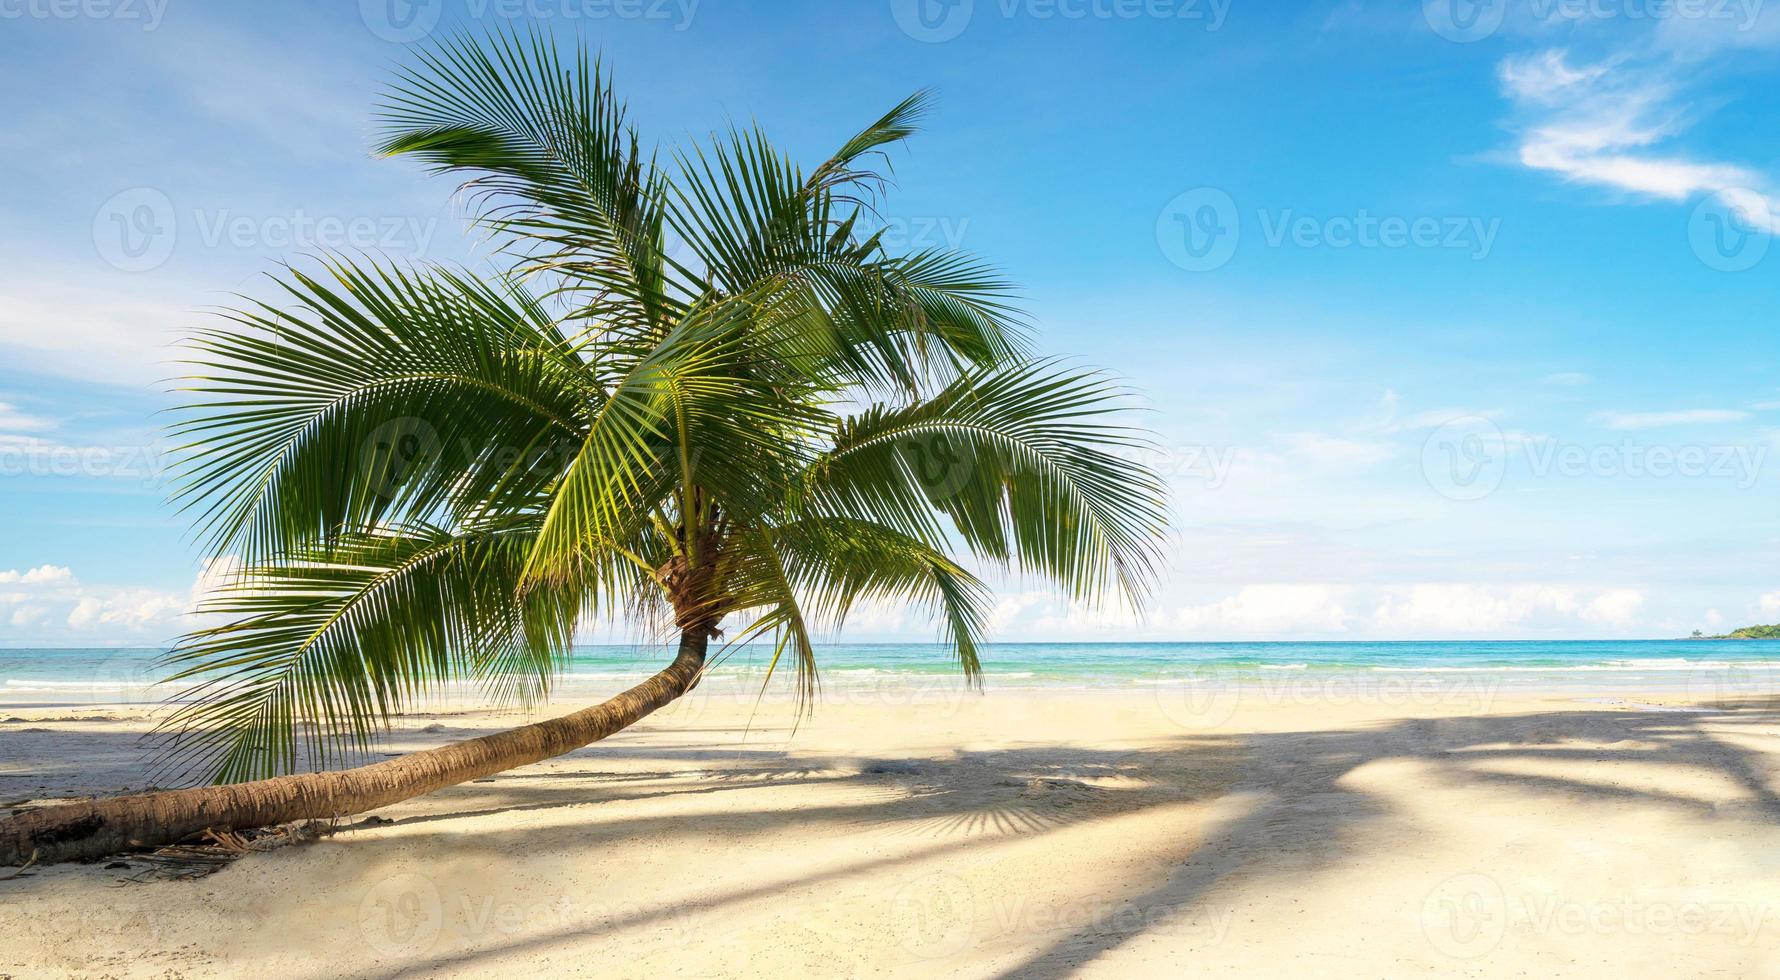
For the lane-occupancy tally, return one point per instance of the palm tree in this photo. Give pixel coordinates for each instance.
(701, 395)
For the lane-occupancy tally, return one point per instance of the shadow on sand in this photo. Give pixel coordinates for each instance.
(1302, 818)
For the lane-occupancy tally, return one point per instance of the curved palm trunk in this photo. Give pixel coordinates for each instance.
(78, 831)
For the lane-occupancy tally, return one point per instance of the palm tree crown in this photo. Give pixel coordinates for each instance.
(701, 393)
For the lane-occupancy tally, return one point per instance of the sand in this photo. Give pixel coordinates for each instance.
(1026, 833)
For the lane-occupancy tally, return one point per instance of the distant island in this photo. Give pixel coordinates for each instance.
(1746, 633)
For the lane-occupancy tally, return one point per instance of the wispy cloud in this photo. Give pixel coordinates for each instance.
(1653, 420)
(1613, 122)
(105, 333)
(1329, 450)
(13, 420)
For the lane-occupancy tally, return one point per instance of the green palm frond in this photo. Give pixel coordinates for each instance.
(1024, 461)
(385, 395)
(323, 649)
(839, 562)
(432, 478)
(549, 162)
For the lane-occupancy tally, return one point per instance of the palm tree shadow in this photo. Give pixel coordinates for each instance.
(1300, 815)
(1302, 771)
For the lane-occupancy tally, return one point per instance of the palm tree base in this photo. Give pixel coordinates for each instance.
(97, 828)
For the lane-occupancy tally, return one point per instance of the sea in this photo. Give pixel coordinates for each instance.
(1313, 670)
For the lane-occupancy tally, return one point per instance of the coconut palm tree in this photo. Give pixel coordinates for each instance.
(702, 395)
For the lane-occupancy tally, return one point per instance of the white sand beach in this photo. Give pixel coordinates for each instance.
(1021, 834)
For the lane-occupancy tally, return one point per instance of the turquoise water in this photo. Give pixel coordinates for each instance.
(37, 676)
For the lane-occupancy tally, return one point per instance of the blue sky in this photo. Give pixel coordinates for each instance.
(1454, 321)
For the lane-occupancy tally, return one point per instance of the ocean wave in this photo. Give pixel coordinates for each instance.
(1613, 666)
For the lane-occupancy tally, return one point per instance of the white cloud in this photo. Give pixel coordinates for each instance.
(1444, 609)
(89, 333)
(41, 575)
(1269, 609)
(1615, 607)
(12, 420)
(1652, 420)
(1769, 605)
(25, 616)
(1604, 123)
(86, 613)
(50, 604)
(129, 611)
